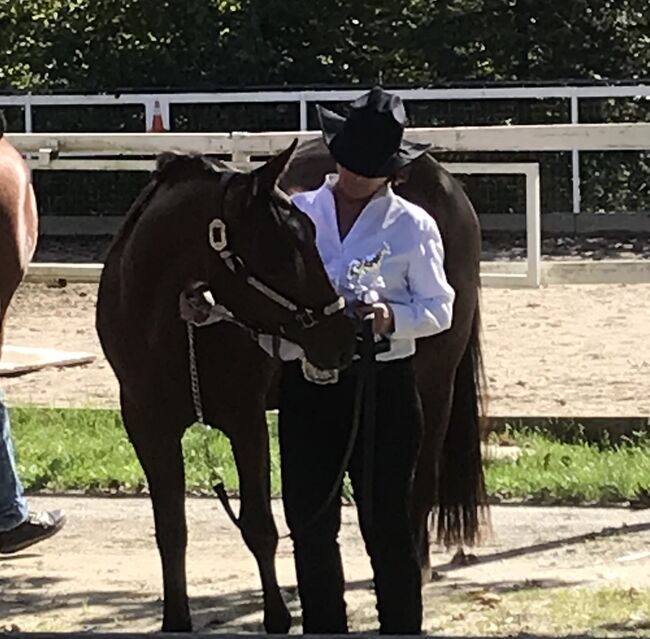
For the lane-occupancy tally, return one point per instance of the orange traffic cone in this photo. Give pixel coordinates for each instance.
(157, 124)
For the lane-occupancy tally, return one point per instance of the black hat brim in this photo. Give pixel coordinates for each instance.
(331, 125)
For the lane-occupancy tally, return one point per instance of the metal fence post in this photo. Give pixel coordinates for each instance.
(303, 113)
(28, 113)
(575, 159)
(533, 226)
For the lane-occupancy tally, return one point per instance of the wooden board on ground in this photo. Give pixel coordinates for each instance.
(17, 360)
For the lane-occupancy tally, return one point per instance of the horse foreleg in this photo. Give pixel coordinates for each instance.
(251, 450)
(160, 454)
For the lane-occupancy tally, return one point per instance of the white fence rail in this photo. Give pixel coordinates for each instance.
(241, 146)
(84, 151)
(531, 276)
(302, 98)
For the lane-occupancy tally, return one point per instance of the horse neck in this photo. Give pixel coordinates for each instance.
(166, 248)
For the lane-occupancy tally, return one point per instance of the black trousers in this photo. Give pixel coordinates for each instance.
(315, 424)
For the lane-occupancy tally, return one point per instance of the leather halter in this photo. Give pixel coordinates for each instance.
(304, 317)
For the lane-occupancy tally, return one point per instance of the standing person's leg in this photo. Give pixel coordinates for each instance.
(313, 432)
(388, 536)
(13, 507)
(18, 528)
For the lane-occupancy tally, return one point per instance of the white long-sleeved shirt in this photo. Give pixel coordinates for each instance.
(411, 274)
(412, 270)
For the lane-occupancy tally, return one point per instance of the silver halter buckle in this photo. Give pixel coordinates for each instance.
(217, 235)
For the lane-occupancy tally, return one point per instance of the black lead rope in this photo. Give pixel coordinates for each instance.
(369, 376)
(363, 398)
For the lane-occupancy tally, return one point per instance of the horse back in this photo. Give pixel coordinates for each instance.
(429, 185)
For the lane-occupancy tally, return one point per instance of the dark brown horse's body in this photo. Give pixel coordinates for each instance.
(162, 248)
(18, 223)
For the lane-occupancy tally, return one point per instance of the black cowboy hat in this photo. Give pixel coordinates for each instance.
(370, 140)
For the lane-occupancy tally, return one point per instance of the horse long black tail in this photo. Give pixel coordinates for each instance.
(462, 500)
(3, 124)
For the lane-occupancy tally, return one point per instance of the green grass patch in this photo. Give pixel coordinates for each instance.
(596, 612)
(530, 608)
(551, 470)
(87, 450)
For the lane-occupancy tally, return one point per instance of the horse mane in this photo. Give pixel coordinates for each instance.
(3, 123)
(175, 167)
(171, 168)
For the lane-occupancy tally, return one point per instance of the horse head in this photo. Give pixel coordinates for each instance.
(276, 282)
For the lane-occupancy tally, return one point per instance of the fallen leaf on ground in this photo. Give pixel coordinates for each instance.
(487, 598)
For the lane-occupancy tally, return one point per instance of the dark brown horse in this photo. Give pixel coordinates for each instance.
(18, 222)
(449, 475)
(236, 232)
(164, 247)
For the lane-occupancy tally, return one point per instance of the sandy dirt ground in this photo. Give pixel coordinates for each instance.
(102, 571)
(578, 350)
(556, 351)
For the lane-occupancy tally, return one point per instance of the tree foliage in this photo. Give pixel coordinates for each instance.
(90, 45)
(115, 45)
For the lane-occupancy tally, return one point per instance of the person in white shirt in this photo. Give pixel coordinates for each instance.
(385, 255)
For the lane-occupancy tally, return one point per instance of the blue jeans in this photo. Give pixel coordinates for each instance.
(13, 507)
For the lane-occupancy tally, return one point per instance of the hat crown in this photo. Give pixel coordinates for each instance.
(376, 122)
(370, 140)
(379, 101)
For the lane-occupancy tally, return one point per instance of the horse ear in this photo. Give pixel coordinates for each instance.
(402, 175)
(266, 176)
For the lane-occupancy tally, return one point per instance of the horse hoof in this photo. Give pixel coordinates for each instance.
(278, 623)
(177, 625)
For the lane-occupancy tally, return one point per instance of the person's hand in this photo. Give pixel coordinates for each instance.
(193, 305)
(383, 317)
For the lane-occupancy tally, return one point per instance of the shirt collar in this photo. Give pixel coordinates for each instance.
(379, 213)
(385, 191)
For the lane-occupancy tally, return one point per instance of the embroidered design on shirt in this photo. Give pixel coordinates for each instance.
(364, 276)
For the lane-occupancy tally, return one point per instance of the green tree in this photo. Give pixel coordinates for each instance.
(206, 44)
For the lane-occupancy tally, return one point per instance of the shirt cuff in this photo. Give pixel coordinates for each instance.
(402, 320)
(412, 323)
